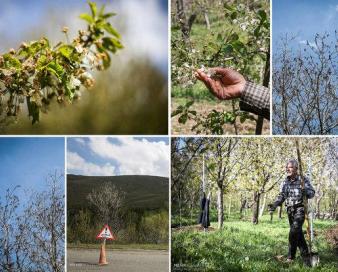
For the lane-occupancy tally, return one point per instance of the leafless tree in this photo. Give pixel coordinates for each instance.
(108, 201)
(32, 234)
(305, 83)
(46, 227)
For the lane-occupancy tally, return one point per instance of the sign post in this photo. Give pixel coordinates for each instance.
(104, 234)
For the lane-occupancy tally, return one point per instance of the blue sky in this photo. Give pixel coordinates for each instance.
(28, 161)
(303, 18)
(142, 23)
(110, 156)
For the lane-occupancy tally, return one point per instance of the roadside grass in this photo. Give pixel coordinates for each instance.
(119, 246)
(242, 246)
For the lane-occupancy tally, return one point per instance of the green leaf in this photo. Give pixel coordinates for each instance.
(256, 31)
(108, 15)
(262, 14)
(56, 69)
(111, 44)
(242, 119)
(107, 27)
(42, 61)
(189, 103)
(93, 8)
(87, 17)
(66, 50)
(183, 118)
(227, 49)
(102, 10)
(177, 111)
(233, 15)
(106, 61)
(233, 37)
(11, 61)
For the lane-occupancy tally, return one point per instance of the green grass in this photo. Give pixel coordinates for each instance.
(119, 246)
(242, 246)
(198, 91)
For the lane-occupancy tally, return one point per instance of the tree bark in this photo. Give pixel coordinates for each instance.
(280, 211)
(220, 209)
(255, 208)
(263, 206)
(243, 205)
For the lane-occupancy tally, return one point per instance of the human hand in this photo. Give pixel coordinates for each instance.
(224, 83)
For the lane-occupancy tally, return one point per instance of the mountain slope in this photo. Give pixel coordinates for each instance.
(142, 192)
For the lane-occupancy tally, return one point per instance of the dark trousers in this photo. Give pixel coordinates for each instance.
(296, 217)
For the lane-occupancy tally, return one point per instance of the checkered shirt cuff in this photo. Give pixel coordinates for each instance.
(255, 99)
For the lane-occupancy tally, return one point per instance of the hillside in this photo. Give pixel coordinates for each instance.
(142, 192)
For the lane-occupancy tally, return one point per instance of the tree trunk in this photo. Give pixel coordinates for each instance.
(180, 208)
(243, 205)
(206, 18)
(263, 206)
(185, 24)
(255, 207)
(220, 210)
(280, 210)
(229, 208)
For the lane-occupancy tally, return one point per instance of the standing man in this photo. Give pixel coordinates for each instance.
(292, 193)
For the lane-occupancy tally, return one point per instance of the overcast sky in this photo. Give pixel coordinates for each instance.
(142, 23)
(303, 18)
(110, 156)
(28, 161)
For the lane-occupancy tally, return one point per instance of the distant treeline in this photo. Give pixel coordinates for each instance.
(133, 226)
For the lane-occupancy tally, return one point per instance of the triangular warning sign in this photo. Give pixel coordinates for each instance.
(106, 233)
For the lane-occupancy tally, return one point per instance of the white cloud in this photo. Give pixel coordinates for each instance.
(312, 44)
(134, 156)
(80, 141)
(76, 163)
(337, 8)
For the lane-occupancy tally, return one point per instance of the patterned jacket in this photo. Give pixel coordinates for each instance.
(255, 99)
(291, 192)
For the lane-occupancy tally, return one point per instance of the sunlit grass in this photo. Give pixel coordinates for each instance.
(242, 246)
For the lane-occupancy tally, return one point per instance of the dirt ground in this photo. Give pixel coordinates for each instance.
(118, 261)
(203, 108)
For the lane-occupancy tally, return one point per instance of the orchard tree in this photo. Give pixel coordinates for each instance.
(47, 229)
(243, 46)
(32, 235)
(305, 86)
(38, 71)
(221, 165)
(185, 158)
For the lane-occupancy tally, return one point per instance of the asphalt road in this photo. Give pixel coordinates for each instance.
(118, 261)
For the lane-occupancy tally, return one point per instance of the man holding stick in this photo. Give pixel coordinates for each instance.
(292, 192)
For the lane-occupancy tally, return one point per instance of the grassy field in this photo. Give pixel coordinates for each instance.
(242, 246)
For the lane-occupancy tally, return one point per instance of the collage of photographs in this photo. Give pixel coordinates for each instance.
(158, 136)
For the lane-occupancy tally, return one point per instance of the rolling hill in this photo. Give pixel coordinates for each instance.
(142, 192)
